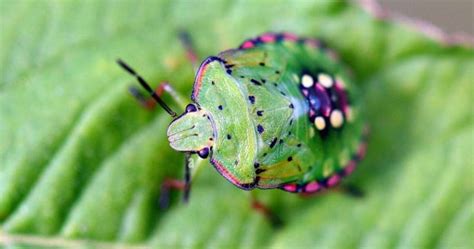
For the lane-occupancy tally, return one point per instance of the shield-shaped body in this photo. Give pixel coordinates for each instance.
(278, 112)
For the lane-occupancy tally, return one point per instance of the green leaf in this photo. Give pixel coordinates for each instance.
(81, 163)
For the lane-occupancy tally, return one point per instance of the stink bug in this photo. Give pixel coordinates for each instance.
(277, 112)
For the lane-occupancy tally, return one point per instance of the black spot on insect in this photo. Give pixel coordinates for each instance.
(257, 41)
(273, 142)
(299, 168)
(291, 106)
(256, 165)
(212, 82)
(229, 137)
(298, 145)
(213, 58)
(277, 72)
(279, 37)
(220, 107)
(265, 154)
(260, 129)
(256, 82)
(299, 188)
(290, 159)
(211, 139)
(261, 64)
(236, 162)
(281, 141)
(275, 84)
(260, 113)
(257, 179)
(252, 99)
(229, 65)
(291, 121)
(229, 71)
(247, 186)
(282, 93)
(263, 81)
(289, 133)
(241, 76)
(258, 171)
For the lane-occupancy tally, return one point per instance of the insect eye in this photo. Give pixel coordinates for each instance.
(191, 108)
(203, 153)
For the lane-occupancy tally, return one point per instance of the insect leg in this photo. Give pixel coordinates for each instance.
(187, 43)
(183, 185)
(166, 187)
(150, 103)
(261, 208)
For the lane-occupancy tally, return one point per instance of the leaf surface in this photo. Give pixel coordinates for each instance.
(80, 161)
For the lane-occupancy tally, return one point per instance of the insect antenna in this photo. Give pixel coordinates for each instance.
(147, 87)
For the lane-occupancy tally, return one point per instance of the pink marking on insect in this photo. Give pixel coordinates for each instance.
(312, 187)
(267, 38)
(290, 187)
(350, 167)
(311, 112)
(290, 37)
(225, 172)
(200, 74)
(198, 82)
(333, 180)
(305, 92)
(247, 44)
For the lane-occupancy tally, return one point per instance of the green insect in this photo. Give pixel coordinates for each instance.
(278, 112)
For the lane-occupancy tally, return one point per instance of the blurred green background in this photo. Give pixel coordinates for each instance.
(81, 163)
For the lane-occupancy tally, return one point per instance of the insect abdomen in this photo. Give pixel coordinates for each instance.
(305, 111)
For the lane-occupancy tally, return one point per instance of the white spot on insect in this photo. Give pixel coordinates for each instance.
(325, 80)
(320, 123)
(336, 118)
(307, 81)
